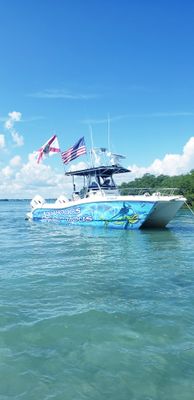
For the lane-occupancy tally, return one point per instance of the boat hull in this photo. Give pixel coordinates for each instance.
(108, 214)
(163, 213)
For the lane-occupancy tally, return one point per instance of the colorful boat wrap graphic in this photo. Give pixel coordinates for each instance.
(115, 214)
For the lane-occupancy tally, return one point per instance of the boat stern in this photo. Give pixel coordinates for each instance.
(163, 212)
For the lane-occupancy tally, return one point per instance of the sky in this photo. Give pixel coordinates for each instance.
(67, 66)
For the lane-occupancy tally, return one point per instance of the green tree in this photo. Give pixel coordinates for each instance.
(183, 183)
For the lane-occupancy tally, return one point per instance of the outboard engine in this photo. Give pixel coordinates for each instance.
(37, 202)
(61, 200)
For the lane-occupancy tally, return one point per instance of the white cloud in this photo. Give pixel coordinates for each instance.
(19, 180)
(2, 141)
(14, 116)
(172, 114)
(25, 180)
(62, 94)
(105, 120)
(171, 164)
(7, 171)
(78, 166)
(15, 161)
(17, 139)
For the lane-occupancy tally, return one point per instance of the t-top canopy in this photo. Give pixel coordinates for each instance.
(103, 171)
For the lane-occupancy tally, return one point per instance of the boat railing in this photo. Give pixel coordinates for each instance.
(146, 191)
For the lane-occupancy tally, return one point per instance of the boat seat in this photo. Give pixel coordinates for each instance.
(93, 185)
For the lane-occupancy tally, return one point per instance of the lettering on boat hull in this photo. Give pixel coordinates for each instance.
(114, 214)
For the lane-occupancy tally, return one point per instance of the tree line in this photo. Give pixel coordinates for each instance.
(183, 183)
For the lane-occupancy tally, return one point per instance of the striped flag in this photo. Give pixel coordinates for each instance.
(51, 146)
(75, 151)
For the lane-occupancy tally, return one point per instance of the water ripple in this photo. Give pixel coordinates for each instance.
(95, 314)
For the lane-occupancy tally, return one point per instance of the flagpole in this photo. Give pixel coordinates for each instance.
(92, 146)
(108, 132)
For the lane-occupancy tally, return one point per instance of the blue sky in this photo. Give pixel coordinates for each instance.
(65, 64)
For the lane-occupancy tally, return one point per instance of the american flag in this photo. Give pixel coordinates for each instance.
(75, 151)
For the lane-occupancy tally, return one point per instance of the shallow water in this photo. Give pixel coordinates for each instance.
(95, 314)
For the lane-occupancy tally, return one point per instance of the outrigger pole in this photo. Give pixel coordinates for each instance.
(92, 146)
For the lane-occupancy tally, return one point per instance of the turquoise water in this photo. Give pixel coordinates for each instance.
(95, 314)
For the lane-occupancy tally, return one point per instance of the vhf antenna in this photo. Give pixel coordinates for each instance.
(92, 145)
(108, 131)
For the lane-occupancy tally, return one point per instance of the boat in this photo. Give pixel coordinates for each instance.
(100, 203)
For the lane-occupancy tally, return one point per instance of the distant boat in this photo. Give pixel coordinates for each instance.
(99, 202)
